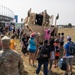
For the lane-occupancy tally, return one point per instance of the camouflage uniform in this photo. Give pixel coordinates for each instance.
(10, 63)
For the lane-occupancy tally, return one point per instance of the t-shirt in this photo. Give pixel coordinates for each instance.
(25, 42)
(57, 50)
(12, 44)
(52, 55)
(62, 39)
(32, 44)
(51, 47)
(47, 35)
(66, 47)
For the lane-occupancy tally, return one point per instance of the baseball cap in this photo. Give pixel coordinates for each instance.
(33, 34)
(68, 37)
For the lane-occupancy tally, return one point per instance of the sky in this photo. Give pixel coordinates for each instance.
(65, 8)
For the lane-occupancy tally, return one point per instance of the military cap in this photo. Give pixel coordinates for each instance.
(5, 40)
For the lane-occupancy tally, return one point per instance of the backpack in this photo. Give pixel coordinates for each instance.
(62, 64)
(71, 48)
(41, 54)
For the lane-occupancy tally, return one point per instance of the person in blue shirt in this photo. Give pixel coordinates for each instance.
(32, 48)
(68, 55)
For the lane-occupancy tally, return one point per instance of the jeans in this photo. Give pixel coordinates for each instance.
(45, 68)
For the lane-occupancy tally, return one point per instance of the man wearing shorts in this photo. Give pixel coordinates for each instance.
(68, 56)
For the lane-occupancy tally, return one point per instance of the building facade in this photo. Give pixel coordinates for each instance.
(6, 14)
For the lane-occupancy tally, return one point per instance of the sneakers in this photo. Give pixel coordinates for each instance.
(71, 73)
(66, 74)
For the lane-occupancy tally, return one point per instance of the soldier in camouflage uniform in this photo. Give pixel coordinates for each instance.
(10, 61)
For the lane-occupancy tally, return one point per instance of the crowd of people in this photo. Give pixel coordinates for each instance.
(49, 52)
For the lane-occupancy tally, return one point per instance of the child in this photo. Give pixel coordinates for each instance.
(62, 39)
(57, 51)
